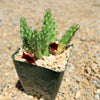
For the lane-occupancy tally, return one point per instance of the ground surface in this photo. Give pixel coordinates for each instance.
(82, 77)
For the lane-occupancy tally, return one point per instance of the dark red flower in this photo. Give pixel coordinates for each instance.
(29, 58)
(53, 46)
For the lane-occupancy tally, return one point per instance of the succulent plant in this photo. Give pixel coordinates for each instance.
(42, 43)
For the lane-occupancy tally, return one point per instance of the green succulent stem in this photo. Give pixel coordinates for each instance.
(67, 37)
(49, 31)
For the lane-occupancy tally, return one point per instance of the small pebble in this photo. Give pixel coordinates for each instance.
(78, 94)
(74, 57)
(3, 85)
(70, 70)
(97, 91)
(98, 31)
(72, 82)
(97, 96)
(31, 97)
(14, 24)
(59, 66)
(90, 47)
(71, 90)
(41, 99)
(77, 87)
(61, 93)
(97, 55)
(63, 98)
(95, 81)
(75, 77)
(67, 80)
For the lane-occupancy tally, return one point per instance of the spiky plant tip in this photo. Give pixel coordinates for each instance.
(67, 37)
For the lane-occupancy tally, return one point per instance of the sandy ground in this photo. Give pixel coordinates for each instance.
(82, 77)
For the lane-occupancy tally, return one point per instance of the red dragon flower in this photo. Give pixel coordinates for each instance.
(53, 46)
(29, 58)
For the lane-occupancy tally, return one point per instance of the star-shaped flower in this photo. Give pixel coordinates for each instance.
(29, 58)
(53, 46)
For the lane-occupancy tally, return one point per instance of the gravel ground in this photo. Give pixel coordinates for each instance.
(82, 77)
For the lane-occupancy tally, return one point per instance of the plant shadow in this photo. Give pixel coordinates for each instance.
(20, 87)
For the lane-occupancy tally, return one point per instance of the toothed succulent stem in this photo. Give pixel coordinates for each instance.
(36, 44)
(26, 33)
(49, 31)
(66, 38)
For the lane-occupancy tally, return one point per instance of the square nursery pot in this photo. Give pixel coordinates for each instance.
(37, 79)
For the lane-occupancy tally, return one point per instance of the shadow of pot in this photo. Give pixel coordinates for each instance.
(37, 79)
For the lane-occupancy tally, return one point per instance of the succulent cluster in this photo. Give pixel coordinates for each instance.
(39, 42)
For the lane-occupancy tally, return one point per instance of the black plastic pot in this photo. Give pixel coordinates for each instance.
(37, 79)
